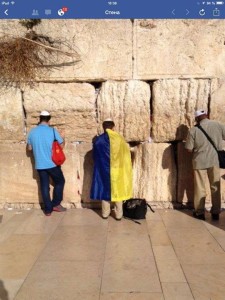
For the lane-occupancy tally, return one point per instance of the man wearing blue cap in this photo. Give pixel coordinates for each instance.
(205, 162)
(40, 141)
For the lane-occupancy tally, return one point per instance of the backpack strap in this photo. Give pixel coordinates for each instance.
(207, 136)
(150, 207)
(132, 220)
(54, 134)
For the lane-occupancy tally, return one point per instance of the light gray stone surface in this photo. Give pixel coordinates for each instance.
(104, 47)
(71, 105)
(18, 179)
(217, 107)
(85, 173)
(12, 126)
(174, 103)
(128, 104)
(185, 179)
(178, 48)
(155, 173)
(19, 182)
(148, 75)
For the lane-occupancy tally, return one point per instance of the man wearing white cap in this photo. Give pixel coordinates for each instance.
(40, 141)
(205, 162)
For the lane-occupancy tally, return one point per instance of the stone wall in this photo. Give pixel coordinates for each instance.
(148, 75)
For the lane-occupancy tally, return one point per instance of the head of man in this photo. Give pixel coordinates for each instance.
(45, 116)
(108, 124)
(200, 115)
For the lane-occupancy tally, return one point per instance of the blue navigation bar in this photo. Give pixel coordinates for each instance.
(112, 9)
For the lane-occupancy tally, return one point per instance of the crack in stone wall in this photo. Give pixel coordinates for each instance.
(133, 45)
(97, 86)
(24, 114)
(209, 99)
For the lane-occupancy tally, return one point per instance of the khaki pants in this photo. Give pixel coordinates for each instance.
(200, 191)
(106, 209)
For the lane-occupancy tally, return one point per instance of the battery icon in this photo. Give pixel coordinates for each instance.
(219, 2)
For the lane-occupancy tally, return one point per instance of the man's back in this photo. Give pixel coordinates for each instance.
(41, 139)
(205, 155)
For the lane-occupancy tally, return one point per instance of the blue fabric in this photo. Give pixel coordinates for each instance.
(56, 175)
(100, 189)
(41, 139)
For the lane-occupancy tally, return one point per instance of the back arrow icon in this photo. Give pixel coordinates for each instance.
(173, 12)
(6, 12)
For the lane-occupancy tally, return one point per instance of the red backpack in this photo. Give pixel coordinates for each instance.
(58, 156)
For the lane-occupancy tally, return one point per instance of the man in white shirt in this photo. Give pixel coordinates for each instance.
(205, 162)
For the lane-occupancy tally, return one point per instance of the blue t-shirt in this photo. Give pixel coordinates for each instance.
(41, 139)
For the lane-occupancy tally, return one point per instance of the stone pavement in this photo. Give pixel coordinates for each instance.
(76, 255)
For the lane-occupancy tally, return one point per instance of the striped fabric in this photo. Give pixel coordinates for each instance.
(112, 177)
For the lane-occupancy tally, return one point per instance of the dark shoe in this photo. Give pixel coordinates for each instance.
(59, 208)
(200, 217)
(48, 214)
(215, 217)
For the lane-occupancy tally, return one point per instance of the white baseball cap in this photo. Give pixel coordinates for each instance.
(45, 113)
(108, 120)
(200, 113)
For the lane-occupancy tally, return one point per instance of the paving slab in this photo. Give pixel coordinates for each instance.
(78, 255)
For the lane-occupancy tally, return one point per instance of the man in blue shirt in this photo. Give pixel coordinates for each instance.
(40, 141)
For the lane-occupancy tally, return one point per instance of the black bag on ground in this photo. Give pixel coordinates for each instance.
(135, 208)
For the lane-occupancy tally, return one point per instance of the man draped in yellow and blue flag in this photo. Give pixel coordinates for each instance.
(112, 177)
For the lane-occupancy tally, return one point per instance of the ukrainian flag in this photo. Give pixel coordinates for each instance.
(112, 177)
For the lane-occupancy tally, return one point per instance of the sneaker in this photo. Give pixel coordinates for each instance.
(118, 219)
(59, 208)
(215, 217)
(48, 214)
(105, 218)
(200, 217)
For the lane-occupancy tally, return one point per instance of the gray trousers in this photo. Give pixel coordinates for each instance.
(118, 206)
(213, 175)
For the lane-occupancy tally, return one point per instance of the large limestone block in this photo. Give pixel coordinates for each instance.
(185, 177)
(71, 169)
(18, 178)
(155, 174)
(86, 170)
(174, 103)
(104, 46)
(19, 182)
(178, 48)
(72, 106)
(217, 104)
(128, 104)
(12, 124)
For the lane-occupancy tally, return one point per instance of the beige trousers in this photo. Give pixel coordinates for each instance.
(213, 175)
(106, 209)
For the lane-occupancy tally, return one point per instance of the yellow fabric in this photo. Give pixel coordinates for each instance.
(120, 168)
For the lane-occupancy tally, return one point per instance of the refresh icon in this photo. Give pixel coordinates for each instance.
(202, 12)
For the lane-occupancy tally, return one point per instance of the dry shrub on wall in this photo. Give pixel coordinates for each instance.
(24, 60)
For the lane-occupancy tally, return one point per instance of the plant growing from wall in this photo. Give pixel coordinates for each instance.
(27, 59)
